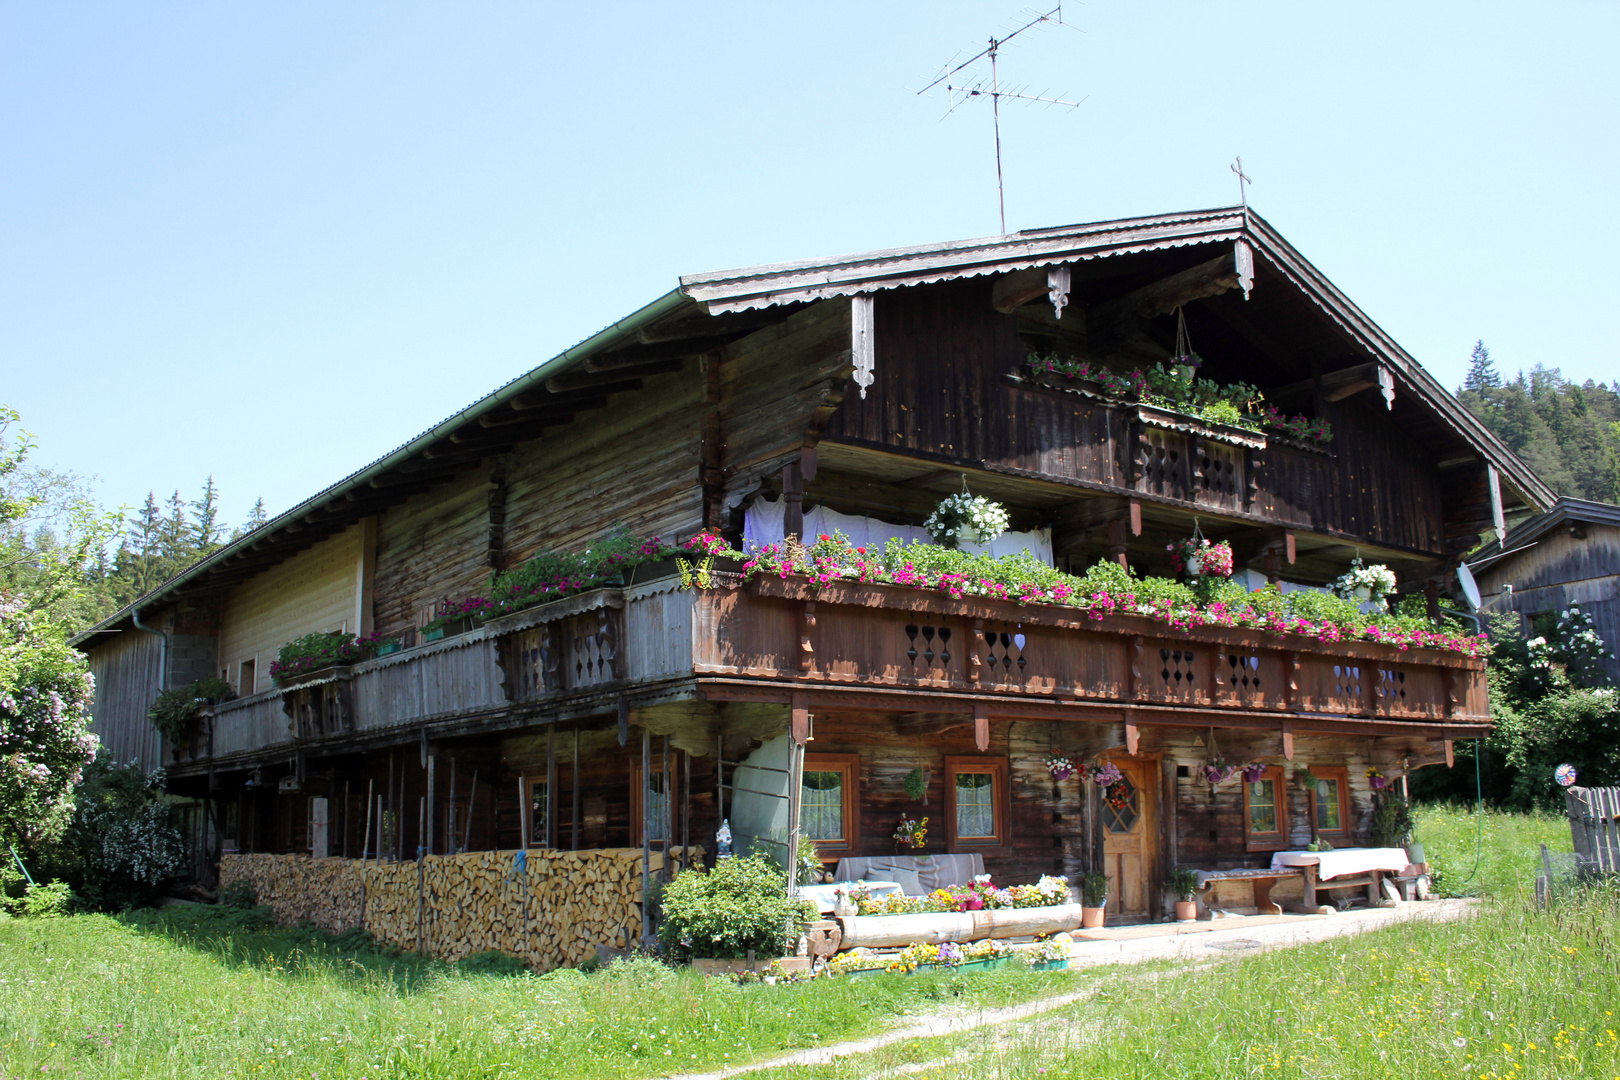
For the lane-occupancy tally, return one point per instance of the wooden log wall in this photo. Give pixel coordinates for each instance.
(431, 547)
(552, 912)
(942, 351)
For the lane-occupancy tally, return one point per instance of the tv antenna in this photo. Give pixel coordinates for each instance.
(967, 92)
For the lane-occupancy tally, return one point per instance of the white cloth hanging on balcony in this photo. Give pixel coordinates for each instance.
(763, 524)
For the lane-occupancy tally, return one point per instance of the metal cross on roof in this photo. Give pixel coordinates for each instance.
(1243, 195)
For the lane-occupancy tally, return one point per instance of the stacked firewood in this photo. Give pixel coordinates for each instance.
(552, 908)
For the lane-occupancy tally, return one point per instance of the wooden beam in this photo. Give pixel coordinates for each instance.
(584, 380)
(926, 479)
(1012, 291)
(561, 415)
(634, 355)
(562, 399)
(703, 326)
(981, 726)
(1335, 385)
(1161, 297)
(931, 723)
(799, 723)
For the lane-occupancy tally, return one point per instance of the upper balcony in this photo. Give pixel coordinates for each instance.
(848, 645)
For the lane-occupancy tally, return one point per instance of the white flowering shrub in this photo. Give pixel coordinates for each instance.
(1377, 580)
(123, 845)
(45, 742)
(1580, 647)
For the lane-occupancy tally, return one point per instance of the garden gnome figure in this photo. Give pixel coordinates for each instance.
(722, 839)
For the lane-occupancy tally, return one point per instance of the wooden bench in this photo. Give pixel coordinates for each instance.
(1262, 881)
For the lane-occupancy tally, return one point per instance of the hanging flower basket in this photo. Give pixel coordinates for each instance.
(1377, 779)
(1218, 772)
(1198, 557)
(1061, 767)
(1365, 582)
(1252, 772)
(966, 519)
(1106, 775)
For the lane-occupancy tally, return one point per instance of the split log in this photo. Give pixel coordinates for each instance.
(937, 927)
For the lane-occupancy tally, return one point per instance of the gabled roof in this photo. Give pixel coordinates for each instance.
(1528, 533)
(875, 271)
(712, 308)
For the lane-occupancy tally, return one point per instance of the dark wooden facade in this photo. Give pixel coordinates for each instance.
(754, 384)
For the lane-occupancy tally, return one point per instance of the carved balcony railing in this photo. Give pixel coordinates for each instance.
(785, 634)
(883, 637)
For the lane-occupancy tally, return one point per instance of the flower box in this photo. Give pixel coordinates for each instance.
(1049, 965)
(389, 648)
(449, 629)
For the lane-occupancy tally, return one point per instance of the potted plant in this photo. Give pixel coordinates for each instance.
(966, 519)
(1392, 821)
(1364, 583)
(1048, 954)
(1061, 767)
(721, 916)
(1184, 883)
(1093, 899)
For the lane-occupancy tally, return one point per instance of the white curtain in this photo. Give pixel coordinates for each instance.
(763, 524)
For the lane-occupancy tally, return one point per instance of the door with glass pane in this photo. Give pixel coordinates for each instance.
(1128, 814)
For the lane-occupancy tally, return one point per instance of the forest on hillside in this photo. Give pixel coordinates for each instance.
(1569, 433)
(70, 555)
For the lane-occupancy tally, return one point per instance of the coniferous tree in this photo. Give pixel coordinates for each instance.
(1568, 433)
(205, 523)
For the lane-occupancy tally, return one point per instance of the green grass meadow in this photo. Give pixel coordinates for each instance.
(1515, 991)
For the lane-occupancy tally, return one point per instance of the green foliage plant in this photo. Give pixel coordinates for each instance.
(312, 652)
(1105, 589)
(551, 575)
(1093, 889)
(1392, 820)
(176, 711)
(1183, 882)
(916, 785)
(723, 913)
(239, 894)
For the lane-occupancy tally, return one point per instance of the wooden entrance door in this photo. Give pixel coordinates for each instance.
(1130, 831)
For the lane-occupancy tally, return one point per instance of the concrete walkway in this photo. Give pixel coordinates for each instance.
(1204, 941)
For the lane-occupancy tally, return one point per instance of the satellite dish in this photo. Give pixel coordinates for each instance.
(1470, 588)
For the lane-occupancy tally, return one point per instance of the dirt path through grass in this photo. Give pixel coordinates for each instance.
(1203, 949)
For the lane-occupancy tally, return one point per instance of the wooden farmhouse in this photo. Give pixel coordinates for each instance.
(853, 394)
(1567, 557)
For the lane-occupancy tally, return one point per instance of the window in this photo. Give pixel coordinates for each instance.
(536, 811)
(1265, 812)
(828, 807)
(976, 807)
(1330, 802)
(245, 678)
(658, 802)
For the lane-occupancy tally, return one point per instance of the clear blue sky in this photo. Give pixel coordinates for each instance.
(274, 241)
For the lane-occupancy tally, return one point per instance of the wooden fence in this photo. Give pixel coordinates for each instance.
(1594, 821)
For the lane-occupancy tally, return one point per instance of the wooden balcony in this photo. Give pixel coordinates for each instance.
(872, 646)
(1053, 662)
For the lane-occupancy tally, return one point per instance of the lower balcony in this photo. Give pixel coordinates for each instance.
(860, 646)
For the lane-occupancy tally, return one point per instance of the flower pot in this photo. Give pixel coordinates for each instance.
(1091, 917)
(1363, 593)
(865, 973)
(1051, 965)
(1195, 566)
(388, 648)
(1415, 853)
(1186, 911)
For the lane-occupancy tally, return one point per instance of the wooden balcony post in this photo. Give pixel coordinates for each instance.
(974, 661)
(793, 500)
(799, 724)
(807, 650)
(981, 726)
(1116, 542)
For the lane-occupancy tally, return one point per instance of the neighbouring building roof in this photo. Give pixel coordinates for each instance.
(1528, 532)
